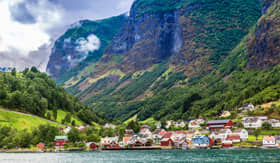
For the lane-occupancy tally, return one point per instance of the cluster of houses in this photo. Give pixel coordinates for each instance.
(201, 134)
(257, 122)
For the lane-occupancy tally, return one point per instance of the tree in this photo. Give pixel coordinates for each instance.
(74, 135)
(55, 114)
(266, 126)
(73, 123)
(14, 72)
(67, 118)
(34, 69)
(257, 133)
(49, 115)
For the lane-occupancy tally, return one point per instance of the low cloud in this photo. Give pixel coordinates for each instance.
(90, 44)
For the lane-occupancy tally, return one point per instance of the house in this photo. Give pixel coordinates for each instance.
(179, 124)
(221, 134)
(157, 136)
(67, 130)
(194, 124)
(219, 124)
(129, 133)
(107, 125)
(253, 122)
(234, 138)
(145, 132)
(269, 141)
(277, 140)
(242, 133)
(168, 124)
(126, 140)
(145, 127)
(92, 146)
(60, 141)
(226, 143)
(40, 146)
(274, 123)
(81, 128)
(201, 142)
(247, 107)
(167, 142)
(158, 124)
(110, 140)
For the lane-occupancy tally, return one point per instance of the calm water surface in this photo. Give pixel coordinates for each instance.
(240, 155)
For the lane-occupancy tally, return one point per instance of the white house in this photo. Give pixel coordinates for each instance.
(67, 130)
(269, 141)
(253, 122)
(110, 140)
(274, 123)
(242, 133)
(193, 124)
(180, 124)
(158, 125)
(168, 124)
(221, 134)
(145, 133)
(247, 107)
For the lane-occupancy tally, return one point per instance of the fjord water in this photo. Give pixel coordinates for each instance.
(239, 155)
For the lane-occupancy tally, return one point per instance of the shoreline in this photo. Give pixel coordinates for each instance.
(129, 149)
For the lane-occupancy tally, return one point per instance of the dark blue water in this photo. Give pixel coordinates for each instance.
(221, 156)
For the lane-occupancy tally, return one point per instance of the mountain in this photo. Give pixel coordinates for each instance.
(179, 59)
(80, 47)
(32, 92)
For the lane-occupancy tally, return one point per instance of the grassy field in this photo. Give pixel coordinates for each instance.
(61, 115)
(22, 121)
(253, 138)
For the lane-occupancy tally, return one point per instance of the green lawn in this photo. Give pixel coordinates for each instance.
(253, 138)
(21, 121)
(61, 115)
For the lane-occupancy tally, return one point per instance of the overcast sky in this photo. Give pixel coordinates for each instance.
(29, 27)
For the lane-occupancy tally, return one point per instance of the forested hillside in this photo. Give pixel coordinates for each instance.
(180, 59)
(33, 92)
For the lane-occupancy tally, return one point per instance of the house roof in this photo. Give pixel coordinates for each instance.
(217, 122)
(223, 131)
(168, 135)
(165, 139)
(269, 138)
(126, 139)
(180, 132)
(216, 126)
(61, 138)
(233, 137)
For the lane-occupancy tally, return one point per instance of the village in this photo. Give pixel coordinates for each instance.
(252, 132)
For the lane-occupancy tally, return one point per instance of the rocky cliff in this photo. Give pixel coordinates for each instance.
(81, 46)
(184, 58)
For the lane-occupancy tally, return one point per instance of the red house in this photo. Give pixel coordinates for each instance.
(145, 127)
(93, 146)
(60, 141)
(167, 142)
(219, 124)
(41, 146)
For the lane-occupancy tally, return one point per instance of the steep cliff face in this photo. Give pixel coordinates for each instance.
(182, 58)
(264, 47)
(193, 36)
(81, 46)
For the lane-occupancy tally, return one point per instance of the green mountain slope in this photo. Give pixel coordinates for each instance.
(70, 60)
(33, 92)
(184, 58)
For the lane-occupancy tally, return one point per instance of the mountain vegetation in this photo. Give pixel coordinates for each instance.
(33, 92)
(181, 59)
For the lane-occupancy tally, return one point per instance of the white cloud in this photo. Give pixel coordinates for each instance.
(28, 25)
(90, 44)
